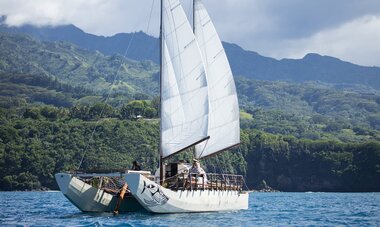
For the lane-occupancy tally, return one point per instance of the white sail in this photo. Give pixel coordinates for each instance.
(184, 93)
(224, 129)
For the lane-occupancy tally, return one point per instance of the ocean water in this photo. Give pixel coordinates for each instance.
(265, 209)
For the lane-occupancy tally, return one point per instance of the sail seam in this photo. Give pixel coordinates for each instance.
(219, 53)
(193, 144)
(208, 40)
(206, 23)
(173, 8)
(186, 92)
(187, 45)
(187, 75)
(222, 125)
(189, 122)
(171, 31)
(222, 78)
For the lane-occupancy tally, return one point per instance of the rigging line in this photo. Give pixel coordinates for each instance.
(190, 12)
(107, 98)
(153, 47)
(204, 148)
(150, 16)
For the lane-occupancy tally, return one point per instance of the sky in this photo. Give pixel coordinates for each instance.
(346, 29)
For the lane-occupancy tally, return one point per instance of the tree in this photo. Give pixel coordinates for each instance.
(133, 109)
(100, 110)
(33, 113)
(150, 112)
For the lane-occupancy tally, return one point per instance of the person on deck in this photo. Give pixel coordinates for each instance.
(136, 166)
(199, 171)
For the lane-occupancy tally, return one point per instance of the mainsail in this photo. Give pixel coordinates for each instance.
(184, 93)
(223, 127)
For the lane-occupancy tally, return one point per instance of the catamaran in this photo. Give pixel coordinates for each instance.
(199, 108)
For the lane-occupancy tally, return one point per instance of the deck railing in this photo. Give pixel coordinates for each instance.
(112, 182)
(212, 181)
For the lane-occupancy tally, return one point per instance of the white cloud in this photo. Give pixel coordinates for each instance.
(96, 16)
(348, 29)
(38, 12)
(356, 41)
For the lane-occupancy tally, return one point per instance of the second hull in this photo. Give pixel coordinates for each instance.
(91, 199)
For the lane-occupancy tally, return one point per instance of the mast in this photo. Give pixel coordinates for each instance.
(194, 154)
(159, 145)
(194, 16)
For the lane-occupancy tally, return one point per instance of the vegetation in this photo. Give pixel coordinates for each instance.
(311, 110)
(75, 66)
(291, 164)
(39, 141)
(59, 102)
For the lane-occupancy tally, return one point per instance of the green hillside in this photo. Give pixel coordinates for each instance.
(39, 141)
(75, 66)
(311, 110)
(243, 62)
(56, 103)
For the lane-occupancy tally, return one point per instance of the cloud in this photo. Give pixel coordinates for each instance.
(96, 16)
(288, 28)
(355, 41)
(286, 18)
(346, 29)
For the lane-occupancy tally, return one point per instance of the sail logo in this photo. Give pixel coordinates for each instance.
(157, 197)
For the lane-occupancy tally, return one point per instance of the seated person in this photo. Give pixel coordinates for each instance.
(197, 169)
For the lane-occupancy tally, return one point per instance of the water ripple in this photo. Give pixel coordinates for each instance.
(265, 209)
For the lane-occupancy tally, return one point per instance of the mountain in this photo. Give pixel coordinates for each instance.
(143, 46)
(312, 67)
(295, 137)
(63, 74)
(75, 66)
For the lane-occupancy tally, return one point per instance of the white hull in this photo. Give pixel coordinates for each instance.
(91, 199)
(157, 199)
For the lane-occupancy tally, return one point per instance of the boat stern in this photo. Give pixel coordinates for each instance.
(63, 181)
(84, 196)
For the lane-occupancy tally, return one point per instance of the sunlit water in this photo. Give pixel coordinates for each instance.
(265, 209)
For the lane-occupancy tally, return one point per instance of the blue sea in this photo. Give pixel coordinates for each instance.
(265, 209)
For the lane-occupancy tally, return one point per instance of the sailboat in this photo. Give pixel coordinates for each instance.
(199, 109)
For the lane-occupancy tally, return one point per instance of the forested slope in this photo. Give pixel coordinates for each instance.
(37, 142)
(56, 103)
(76, 66)
(246, 63)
